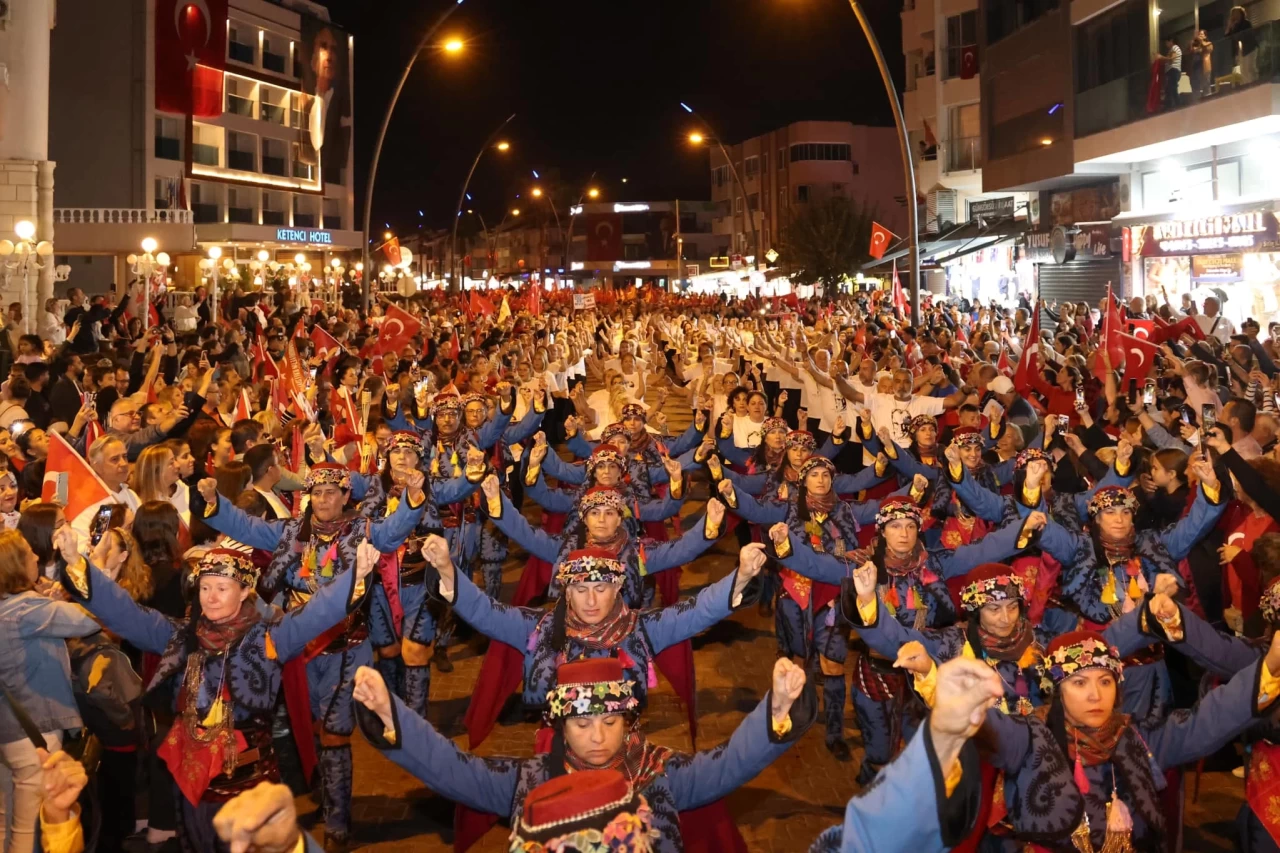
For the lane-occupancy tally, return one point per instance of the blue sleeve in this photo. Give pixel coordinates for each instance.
(1063, 545)
(453, 490)
(848, 484)
(758, 512)
(523, 428)
(981, 501)
(658, 474)
(688, 440)
(1009, 741)
(387, 534)
(1219, 716)
(242, 527)
(1180, 537)
(398, 422)
(501, 622)
(668, 555)
(908, 466)
(886, 636)
(143, 627)
(536, 542)
(865, 512)
(819, 567)
(752, 483)
(1126, 634)
(995, 547)
(484, 784)
(691, 616)
(359, 486)
(733, 453)
(1219, 653)
(321, 612)
(58, 619)
(578, 444)
(1003, 471)
(574, 475)
(710, 775)
(830, 449)
(492, 430)
(661, 510)
(551, 500)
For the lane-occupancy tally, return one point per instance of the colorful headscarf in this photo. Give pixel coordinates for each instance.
(601, 496)
(591, 565)
(817, 462)
(774, 425)
(226, 563)
(446, 403)
(467, 399)
(612, 431)
(991, 582)
(893, 509)
(589, 811)
(921, 421)
(634, 410)
(800, 439)
(328, 474)
(1032, 454)
(588, 688)
(967, 437)
(1112, 497)
(1074, 652)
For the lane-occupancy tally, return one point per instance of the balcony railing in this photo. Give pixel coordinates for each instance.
(273, 217)
(303, 171)
(240, 106)
(205, 155)
(305, 220)
(273, 61)
(273, 165)
(241, 52)
(241, 214)
(119, 216)
(242, 160)
(333, 223)
(204, 213)
(963, 153)
(1230, 67)
(272, 113)
(168, 148)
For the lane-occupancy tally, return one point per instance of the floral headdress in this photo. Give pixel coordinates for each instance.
(1270, 603)
(467, 399)
(921, 421)
(991, 582)
(1031, 454)
(612, 431)
(328, 474)
(226, 563)
(606, 454)
(798, 438)
(587, 688)
(634, 410)
(967, 437)
(405, 440)
(601, 496)
(817, 462)
(1074, 652)
(446, 403)
(1112, 497)
(774, 425)
(897, 508)
(591, 565)
(591, 811)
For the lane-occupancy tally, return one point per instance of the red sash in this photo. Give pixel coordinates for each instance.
(1263, 788)
(195, 765)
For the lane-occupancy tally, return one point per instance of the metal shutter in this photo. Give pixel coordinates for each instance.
(1078, 281)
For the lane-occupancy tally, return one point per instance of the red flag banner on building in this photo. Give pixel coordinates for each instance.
(68, 479)
(190, 56)
(397, 330)
(604, 236)
(881, 237)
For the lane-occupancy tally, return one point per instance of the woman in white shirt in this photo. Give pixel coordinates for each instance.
(52, 329)
(748, 429)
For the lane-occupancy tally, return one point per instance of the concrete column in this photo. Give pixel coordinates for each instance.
(44, 231)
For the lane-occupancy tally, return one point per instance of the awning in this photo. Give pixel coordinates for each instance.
(959, 241)
(1154, 215)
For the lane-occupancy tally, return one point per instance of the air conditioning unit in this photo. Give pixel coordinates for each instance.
(940, 209)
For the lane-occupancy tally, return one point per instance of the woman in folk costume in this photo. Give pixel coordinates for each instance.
(1082, 776)
(310, 552)
(226, 661)
(776, 484)
(618, 437)
(914, 590)
(403, 616)
(830, 526)
(641, 446)
(769, 453)
(594, 718)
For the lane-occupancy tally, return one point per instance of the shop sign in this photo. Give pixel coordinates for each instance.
(303, 235)
(718, 262)
(1220, 268)
(690, 270)
(1059, 245)
(991, 207)
(584, 301)
(1207, 234)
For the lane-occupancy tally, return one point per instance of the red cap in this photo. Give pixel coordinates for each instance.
(1072, 638)
(590, 670)
(574, 795)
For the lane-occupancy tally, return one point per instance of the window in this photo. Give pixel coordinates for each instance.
(333, 214)
(1026, 132)
(168, 138)
(273, 157)
(275, 206)
(205, 202)
(802, 193)
(1007, 16)
(242, 151)
(306, 211)
(240, 205)
(275, 105)
(242, 43)
(962, 45)
(633, 251)
(854, 165)
(737, 204)
(820, 151)
(782, 159)
(783, 198)
(764, 163)
(302, 169)
(964, 148)
(161, 193)
(240, 96)
(206, 145)
(1193, 186)
(837, 189)
(275, 52)
(753, 202)
(719, 176)
(752, 168)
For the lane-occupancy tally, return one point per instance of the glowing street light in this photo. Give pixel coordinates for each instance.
(504, 146)
(696, 138)
(536, 192)
(515, 211)
(386, 236)
(593, 193)
(453, 45)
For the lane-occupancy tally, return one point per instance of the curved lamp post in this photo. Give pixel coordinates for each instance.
(698, 139)
(462, 196)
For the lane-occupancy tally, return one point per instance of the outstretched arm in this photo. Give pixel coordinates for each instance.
(114, 608)
(509, 520)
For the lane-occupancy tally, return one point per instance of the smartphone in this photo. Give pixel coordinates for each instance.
(1079, 397)
(1208, 420)
(90, 398)
(1133, 391)
(101, 523)
(17, 428)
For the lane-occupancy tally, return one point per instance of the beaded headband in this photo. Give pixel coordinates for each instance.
(328, 474)
(606, 454)
(1006, 587)
(613, 431)
(1031, 454)
(446, 404)
(591, 698)
(814, 462)
(774, 425)
(225, 563)
(1112, 497)
(634, 410)
(404, 440)
(601, 497)
(468, 399)
(591, 565)
(1270, 603)
(921, 421)
(802, 440)
(967, 437)
(1075, 652)
(895, 509)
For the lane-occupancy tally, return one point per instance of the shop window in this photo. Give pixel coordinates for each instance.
(1193, 186)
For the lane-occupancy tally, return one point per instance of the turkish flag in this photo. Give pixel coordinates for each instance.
(899, 296)
(243, 410)
(391, 249)
(880, 239)
(296, 375)
(1140, 328)
(397, 330)
(190, 56)
(604, 236)
(1029, 364)
(68, 479)
(1004, 365)
(479, 305)
(1140, 356)
(1185, 326)
(535, 300)
(325, 343)
(455, 345)
(1110, 338)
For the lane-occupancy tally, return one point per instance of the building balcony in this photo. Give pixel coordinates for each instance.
(273, 217)
(168, 148)
(273, 166)
(305, 220)
(205, 155)
(114, 229)
(274, 62)
(245, 53)
(922, 102)
(272, 113)
(242, 160)
(241, 214)
(240, 106)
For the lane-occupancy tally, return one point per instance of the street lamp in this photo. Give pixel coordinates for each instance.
(536, 192)
(143, 266)
(210, 265)
(382, 134)
(697, 138)
(25, 253)
(453, 45)
(593, 193)
(502, 146)
(515, 211)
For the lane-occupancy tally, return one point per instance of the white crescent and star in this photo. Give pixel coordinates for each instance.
(1141, 332)
(386, 327)
(1233, 537)
(1142, 357)
(202, 7)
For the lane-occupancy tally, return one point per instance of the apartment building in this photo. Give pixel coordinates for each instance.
(265, 167)
(1179, 171)
(805, 161)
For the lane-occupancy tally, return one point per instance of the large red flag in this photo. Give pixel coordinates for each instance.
(391, 249)
(1140, 328)
(1004, 365)
(243, 410)
(535, 300)
(68, 479)
(880, 238)
(397, 331)
(190, 56)
(296, 375)
(325, 343)
(1140, 356)
(479, 305)
(1029, 364)
(1112, 327)
(455, 345)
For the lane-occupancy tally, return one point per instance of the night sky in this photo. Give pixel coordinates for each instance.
(596, 86)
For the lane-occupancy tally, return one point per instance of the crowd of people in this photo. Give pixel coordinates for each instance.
(1053, 572)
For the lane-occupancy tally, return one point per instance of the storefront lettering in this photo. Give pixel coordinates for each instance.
(303, 235)
(1227, 232)
(1210, 226)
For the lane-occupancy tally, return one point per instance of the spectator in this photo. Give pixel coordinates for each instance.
(37, 405)
(67, 396)
(1244, 43)
(1171, 70)
(13, 406)
(110, 461)
(264, 467)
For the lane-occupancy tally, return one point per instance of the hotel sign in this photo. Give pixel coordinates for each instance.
(1234, 231)
(303, 235)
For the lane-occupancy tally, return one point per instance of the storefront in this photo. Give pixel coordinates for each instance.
(1072, 264)
(1234, 255)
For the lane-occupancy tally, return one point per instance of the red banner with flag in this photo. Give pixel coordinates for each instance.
(477, 304)
(391, 249)
(604, 236)
(397, 330)
(1185, 326)
(880, 239)
(1140, 328)
(68, 479)
(535, 300)
(190, 56)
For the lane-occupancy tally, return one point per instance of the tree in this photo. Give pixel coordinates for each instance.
(828, 240)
